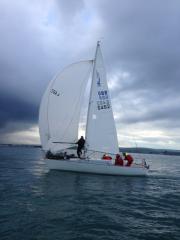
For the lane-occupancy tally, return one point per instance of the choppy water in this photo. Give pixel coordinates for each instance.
(35, 204)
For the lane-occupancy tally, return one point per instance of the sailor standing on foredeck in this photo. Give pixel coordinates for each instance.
(80, 143)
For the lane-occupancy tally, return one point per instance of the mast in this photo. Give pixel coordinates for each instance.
(90, 96)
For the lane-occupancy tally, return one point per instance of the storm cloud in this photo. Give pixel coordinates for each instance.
(140, 43)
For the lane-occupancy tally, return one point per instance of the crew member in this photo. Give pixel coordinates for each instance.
(106, 157)
(80, 143)
(129, 159)
(118, 160)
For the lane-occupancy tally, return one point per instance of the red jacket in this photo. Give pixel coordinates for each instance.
(119, 161)
(129, 159)
(107, 158)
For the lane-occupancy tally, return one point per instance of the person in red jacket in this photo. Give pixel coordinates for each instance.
(129, 159)
(118, 160)
(106, 157)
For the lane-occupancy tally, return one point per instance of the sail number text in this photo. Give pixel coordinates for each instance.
(53, 91)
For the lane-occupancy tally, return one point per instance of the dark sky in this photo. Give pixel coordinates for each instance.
(140, 44)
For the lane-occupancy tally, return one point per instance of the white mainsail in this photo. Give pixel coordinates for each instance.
(100, 129)
(61, 105)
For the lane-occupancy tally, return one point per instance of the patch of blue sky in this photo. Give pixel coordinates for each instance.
(52, 17)
(87, 16)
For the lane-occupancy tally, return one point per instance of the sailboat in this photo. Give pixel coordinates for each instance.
(59, 118)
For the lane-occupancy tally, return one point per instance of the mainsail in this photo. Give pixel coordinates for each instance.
(61, 105)
(100, 129)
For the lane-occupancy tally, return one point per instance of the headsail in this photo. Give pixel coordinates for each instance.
(61, 105)
(100, 130)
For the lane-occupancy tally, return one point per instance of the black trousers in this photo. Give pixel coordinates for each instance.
(79, 151)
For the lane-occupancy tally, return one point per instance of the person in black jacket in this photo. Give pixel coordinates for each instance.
(80, 143)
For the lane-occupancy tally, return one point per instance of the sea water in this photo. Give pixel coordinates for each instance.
(37, 204)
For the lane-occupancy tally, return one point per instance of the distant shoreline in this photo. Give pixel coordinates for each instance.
(169, 152)
(20, 145)
(142, 150)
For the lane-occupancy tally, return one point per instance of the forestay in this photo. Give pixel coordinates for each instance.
(100, 130)
(61, 105)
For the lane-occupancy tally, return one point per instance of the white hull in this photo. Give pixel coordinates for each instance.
(95, 166)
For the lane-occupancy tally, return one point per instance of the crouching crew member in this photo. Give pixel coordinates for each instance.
(118, 160)
(106, 157)
(129, 159)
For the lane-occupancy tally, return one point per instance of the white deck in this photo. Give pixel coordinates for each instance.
(96, 166)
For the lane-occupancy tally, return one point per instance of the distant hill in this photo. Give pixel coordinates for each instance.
(21, 145)
(151, 151)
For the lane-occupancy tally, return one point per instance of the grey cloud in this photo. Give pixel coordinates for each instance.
(168, 114)
(69, 9)
(143, 38)
(140, 38)
(13, 108)
(31, 54)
